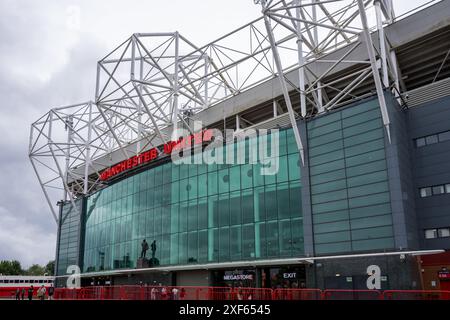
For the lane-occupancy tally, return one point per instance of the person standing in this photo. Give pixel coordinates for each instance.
(51, 291)
(41, 293)
(175, 294)
(153, 293)
(18, 294)
(23, 293)
(30, 293)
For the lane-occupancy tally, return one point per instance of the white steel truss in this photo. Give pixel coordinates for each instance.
(153, 83)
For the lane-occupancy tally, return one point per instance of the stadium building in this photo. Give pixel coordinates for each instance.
(360, 100)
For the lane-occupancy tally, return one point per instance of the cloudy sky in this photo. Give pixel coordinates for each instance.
(48, 54)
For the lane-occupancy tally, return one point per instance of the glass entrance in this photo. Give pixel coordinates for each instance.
(284, 277)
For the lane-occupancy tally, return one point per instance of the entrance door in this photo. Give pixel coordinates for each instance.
(285, 277)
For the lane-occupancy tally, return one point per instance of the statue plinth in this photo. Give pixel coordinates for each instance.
(142, 263)
(154, 262)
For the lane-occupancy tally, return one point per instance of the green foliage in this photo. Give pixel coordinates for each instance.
(12, 267)
(35, 270)
(50, 268)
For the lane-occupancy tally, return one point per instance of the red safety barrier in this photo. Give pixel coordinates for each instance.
(220, 293)
(297, 294)
(68, 294)
(351, 295)
(10, 293)
(251, 294)
(228, 293)
(416, 295)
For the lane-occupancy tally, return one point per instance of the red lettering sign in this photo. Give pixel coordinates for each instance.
(197, 138)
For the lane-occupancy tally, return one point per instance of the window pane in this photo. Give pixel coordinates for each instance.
(203, 246)
(235, 178)
(202, 213)
(270, 197)
(212, 183)
(283, 201)
(438, 190)
(235, 208)
(192, 216)
(425, 192)
(444, 136)
(285, 238)
(192, 187)
(248, 241)
(224, 210)
(282, 143)
(158, 175)
(224, 248)
(420, 142)
(272, 239)
(295, 199)
(183, 217)
(431, 139)
(430, 234)
(192, 247)
(213, 218)
(235, 243)
(447, 188)
(444, 233)
(184, 189)
(202, 185)
(246, 176)
(224, 181)
(247, 206)
(182, 248)
(282, 174)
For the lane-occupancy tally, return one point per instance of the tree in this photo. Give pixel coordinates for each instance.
(50, 268)
(12, 267)
(35, 270)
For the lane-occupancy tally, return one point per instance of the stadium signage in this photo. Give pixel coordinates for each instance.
(238, 277)
(152, 154)
(289, 275)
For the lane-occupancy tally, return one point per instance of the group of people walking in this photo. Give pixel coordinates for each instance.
(40, 293)
(161, 292)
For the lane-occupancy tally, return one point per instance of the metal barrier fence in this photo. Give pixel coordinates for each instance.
(10, 293)
(416, 295)
(297, 294)
(352, 295)
(227, 293)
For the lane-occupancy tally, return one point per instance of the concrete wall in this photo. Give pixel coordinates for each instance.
(399, 274)
(193, 278)
(400, 178)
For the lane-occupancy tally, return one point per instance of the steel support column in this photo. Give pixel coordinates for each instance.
(283, 83)
(373, 63)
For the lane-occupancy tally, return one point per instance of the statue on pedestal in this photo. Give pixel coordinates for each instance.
(153, 261)
(153, 246)
(144, 246)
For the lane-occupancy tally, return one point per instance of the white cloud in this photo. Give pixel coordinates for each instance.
(23, 241)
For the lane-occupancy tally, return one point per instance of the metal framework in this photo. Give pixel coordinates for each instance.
(154, 83)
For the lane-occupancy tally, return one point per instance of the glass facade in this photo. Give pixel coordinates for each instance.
(69, 238)
(198, 214)
(349, 181)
